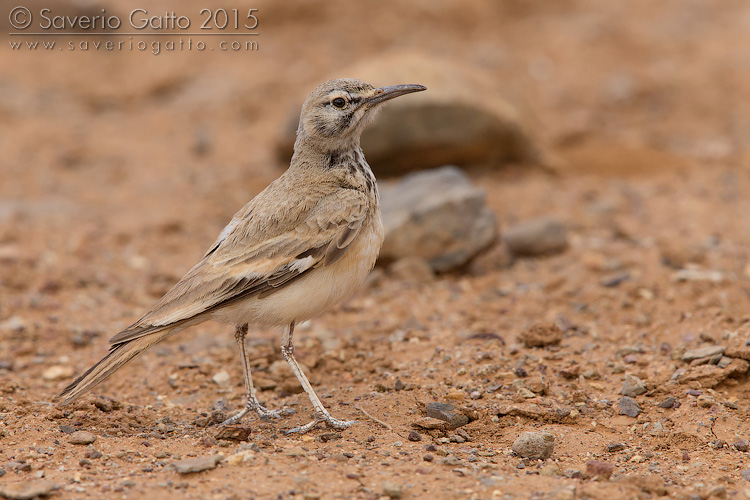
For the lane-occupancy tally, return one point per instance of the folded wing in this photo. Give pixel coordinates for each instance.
(248, 262)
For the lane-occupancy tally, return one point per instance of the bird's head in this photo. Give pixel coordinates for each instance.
(336, 112)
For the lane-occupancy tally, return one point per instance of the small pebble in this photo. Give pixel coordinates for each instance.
(539, 236)
(534, 445)
(703, 352)
(668, 403)
(428, 458)
(633, 386)
(615, 447)
(448, 413)
(414, 436)
(81, 437)
(221, 379)
(693, 392)
(392, 490)
(741, 445)
(599, 470)
(58, 372)
(705, 401)
(197, 464)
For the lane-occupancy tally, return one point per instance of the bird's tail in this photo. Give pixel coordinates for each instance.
(118, 356)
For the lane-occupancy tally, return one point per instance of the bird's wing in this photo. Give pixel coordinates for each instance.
(241, 265)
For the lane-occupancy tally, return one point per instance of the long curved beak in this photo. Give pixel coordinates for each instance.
(387, 93)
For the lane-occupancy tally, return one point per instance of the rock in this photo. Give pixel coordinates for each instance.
(81, 437)
(649, 483)
(233, 433)
(724, 362)
(534, 237)
(550, 470)
(437, 215)
(541, 335)
(741, 445)
(221, 379)
(413, 269)
(392, 490)
(536, 385)
(447, 413)
(698, 275)
(705, 401)
(525, 393)
(738, 348)
(633, 386)
(447, 124)
(13, 324)
(629, 406)
(680, 256)
(414, 436)
(615, 447)
(702, 352)
(534, 445)
(668, 403)
(711, 375)
(196, 464)
(562, 493)
(58, 372)
(28, 490)
(599, 470)
(745, 474)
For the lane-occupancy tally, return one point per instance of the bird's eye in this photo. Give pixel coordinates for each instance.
(339, 102)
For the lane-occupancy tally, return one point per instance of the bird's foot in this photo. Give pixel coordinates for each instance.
(264, 413)
(325, 418)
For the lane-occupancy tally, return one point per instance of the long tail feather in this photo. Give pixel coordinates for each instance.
(119, 355)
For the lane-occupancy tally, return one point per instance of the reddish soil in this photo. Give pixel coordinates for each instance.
(118, 170)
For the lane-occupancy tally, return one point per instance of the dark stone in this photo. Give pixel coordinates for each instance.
(448, 413)
(668, 403)
(629, 406)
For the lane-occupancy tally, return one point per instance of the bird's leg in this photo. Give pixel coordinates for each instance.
(253, 404)
(321, 414)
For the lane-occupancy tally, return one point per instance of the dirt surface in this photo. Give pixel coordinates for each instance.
(119, 169)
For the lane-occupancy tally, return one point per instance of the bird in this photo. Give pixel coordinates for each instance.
(303, 244)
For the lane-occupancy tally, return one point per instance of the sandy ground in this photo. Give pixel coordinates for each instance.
(119, 169)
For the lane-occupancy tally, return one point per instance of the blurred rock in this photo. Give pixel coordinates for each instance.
(461, 119)
(413, 269)
(633, 386)
(702, 352)
(197, 464)
(679, 256)
(539, 236)
(392, 490)
(438, 216)
(57, 372)
(692, 274)
(233, 433)
(534, 445)
(599, 470)
(541, 335)
(13, 324)
(28, 490)
(221, 379)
